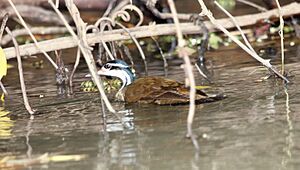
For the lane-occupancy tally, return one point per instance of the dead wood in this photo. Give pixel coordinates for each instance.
(148, 31)
(4, 3)
(35, 30)
(81, 4)
(30, 33)
(34, 13)
(21, 75)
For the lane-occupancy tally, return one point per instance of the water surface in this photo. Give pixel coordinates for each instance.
(255, 128)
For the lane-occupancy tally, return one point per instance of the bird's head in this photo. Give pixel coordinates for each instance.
(119, 69)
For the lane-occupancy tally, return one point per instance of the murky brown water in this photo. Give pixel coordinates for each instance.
(256, 127)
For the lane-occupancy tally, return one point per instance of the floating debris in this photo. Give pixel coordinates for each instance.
(11, 162)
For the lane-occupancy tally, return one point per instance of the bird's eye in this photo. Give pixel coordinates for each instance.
(107, 66)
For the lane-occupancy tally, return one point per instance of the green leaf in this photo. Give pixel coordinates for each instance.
(3, 64)
(214, 41)
(227, 4)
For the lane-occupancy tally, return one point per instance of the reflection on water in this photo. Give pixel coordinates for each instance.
(254, 128)
(27, 136)
(289, 137)
(6, 124)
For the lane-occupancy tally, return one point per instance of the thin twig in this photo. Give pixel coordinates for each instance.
(163, 15)
(237, 26)
(126, 50)
(31, 35)
(189, 73)
(119, 6)
(264, 62)
(152, 30)
(109, 8)
(260, 8)
(202, 73)
(137, 45)
(281, 36)
(3, 24)
(4, 20)
(23, 87)
(35, 30)
(107, 50)
(3, 88)
(162, 55)
(74, 69)
(125, 17)
(57, 4)
(85, 50)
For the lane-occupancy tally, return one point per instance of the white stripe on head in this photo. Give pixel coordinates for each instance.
(118, 65)
(121, 74)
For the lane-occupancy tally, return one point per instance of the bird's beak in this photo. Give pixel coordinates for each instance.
(100, 72)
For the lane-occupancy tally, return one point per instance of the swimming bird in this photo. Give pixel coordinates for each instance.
(152, 89)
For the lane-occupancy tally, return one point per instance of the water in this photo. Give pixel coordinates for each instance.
(256, 127)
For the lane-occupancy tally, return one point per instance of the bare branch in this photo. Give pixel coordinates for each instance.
(162, 55)
(3, 24)
(281, 36)
(35, 30)
(23, 87)
(152, 30)
(189, 73)
(260, 8)
(74, 69)
(85, 49)
(237, 26)
(264, 62)
(31, 35)
(3, 88)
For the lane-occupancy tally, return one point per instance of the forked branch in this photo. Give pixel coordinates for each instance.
(82, 44)
(252, 53)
